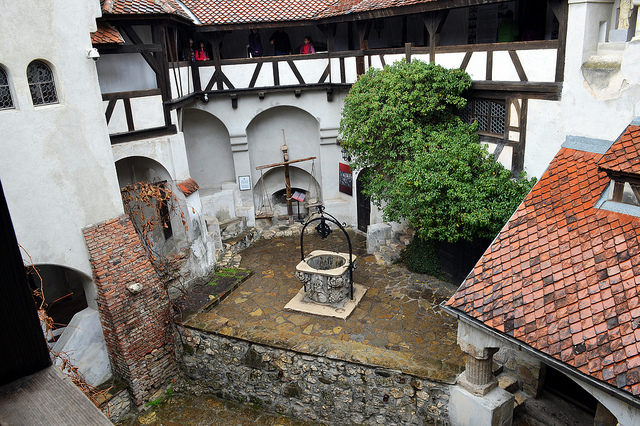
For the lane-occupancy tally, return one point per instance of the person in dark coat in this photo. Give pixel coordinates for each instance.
(255, 44)
(281, 43)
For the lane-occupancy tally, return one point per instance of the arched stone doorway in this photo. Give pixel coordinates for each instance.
(270, 190)
(65, 291)
(208, 150)
(170, 234)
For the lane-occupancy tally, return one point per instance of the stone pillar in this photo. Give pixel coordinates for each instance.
(478, 376)
(477, 399)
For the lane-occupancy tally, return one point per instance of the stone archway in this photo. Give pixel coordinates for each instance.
(171, 237)
(208, 150)
(272, 185)
(265, 139)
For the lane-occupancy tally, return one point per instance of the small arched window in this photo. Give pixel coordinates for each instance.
(41, 84)
(6, 101)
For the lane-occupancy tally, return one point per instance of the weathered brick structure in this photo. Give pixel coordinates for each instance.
(134, 307)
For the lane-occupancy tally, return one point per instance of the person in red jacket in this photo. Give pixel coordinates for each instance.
(307, 47)
(201, 53)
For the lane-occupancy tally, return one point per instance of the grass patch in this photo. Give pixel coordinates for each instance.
(228, 273)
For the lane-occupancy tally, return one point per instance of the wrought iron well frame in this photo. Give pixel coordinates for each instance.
(324, 231)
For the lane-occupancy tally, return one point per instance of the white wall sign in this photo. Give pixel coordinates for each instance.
(244, 182)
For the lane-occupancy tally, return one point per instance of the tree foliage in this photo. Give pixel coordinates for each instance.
(424, 164)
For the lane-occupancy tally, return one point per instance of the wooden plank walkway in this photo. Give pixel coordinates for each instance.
(47, 398)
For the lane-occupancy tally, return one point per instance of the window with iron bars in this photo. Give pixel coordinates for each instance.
(41, 84)
(6, 101)
(491, 116)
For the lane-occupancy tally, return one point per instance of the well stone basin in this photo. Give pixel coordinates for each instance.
(325, 275)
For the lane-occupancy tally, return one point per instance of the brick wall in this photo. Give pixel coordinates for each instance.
(136, 324)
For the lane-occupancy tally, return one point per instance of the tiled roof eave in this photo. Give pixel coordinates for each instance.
(543, 357)
(320, 18)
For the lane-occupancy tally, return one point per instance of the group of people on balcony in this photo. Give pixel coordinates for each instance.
(194, 54)
(280, 42)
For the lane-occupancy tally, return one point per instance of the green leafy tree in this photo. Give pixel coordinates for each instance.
(424, 164)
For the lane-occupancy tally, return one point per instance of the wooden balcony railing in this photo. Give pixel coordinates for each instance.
(528, 64)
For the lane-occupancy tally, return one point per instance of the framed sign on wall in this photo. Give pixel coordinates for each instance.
(244, 182)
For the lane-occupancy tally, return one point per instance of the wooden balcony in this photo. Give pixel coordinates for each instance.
(525, 67)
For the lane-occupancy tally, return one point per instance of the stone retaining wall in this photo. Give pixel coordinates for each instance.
(308, 387)
(118, 407)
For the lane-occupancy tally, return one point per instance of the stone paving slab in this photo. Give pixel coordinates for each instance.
(398, 323)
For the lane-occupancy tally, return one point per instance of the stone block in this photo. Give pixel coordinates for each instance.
(84, 343)
(493, 409)
(377, 235)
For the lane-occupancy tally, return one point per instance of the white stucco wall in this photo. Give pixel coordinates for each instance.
(208, 150)
(583, 110)
(123, 72)
(56, 165)
(311, 128)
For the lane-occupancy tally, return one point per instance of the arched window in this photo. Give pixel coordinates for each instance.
(41, 84)
(5, 91)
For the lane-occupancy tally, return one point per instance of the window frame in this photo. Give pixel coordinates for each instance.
(9, 90)
(471, 104)
(37, 102)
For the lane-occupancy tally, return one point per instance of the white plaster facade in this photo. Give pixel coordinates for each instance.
(56, 164)
(601, 89)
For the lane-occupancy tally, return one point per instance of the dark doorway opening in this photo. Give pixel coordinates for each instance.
(364, 203)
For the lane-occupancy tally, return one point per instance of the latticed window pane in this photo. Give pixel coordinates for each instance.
(41, 84)
(5, 93)
(498, 116)
(490, 115)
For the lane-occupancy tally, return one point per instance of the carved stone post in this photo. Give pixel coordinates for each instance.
(478, 377)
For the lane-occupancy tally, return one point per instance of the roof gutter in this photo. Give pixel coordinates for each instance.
(547, 359)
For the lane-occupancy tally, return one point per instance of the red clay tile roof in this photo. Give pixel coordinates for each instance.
(106, 34)
(188, 186)
(126, 7)
(220, 12)
(564, 277)
(623, 156)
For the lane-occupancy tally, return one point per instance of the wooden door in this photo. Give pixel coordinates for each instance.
(364, 205)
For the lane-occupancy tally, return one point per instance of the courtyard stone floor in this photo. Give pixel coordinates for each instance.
(397, 325)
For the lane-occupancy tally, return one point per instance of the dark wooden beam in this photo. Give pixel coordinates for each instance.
(489, 70)
(296, 72)
(158, 34)
(433, 22)
(560, 9)
(276, 74)
(128, 114)
(518, 65)
(465, 60)
(136, 40)
(517, 157)
(407, 52)
(521, 89)
(153, 132)
(109, 49)
(256, 72)
(324, 75)
(110, 106)
(131, 94)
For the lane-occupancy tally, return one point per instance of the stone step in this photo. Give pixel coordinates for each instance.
(509, 383)
(519, 398)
